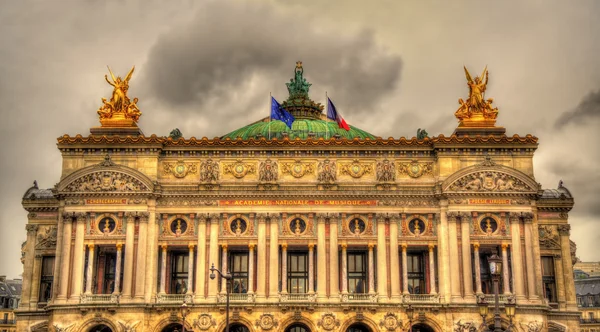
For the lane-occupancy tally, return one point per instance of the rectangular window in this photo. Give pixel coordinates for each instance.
(297, 272)
(416, 273)
(238, 267)
(179, 273)
(548, 279)
(46, 279)
(110, 268)
(357, 272)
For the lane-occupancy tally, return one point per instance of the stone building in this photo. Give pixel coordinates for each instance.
(10, 294)
(588, 301)
(321, 228)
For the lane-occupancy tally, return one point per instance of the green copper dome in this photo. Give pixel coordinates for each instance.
(301, 128)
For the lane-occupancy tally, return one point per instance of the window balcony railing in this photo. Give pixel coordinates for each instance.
(421, 298)
(8, 321)
(502, 298)
(237, 298)
(99, 299)
(174, 298)
(298, 297)
(358, 298)
(589, 321)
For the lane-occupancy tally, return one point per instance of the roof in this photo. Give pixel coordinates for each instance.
(301, 128)
(559, 192)
(587, 286)
(10, 288)
(36, 193)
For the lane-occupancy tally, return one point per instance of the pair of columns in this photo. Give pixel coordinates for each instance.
(90, 269)
(163, 269)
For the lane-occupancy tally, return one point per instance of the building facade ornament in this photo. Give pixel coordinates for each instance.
(328, 322)
(356, 169)
(415, 169)
(467, 326)
(327, 172)
(390, 322)
(489, 181)
(47, 240)
(64, 328)
(179, 169)
(204, 322)
(106, 181)
(239, 169)
(297, 169)
(549, 237)
(268, 171)
(31, 229)
(209, 171)
(266, 322)
(386, 171)
(533, 326)
(129, 326)
(564, 230)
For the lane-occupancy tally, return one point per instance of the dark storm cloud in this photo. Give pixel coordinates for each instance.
(227, 44)
(588, 109)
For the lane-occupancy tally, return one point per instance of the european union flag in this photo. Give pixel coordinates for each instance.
(278, 113)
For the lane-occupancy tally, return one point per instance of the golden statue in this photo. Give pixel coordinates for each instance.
(119, 111)
(476, 111)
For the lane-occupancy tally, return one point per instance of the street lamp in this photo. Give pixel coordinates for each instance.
(483, 311)
(495, 263)
(410, 312)
(510, 312)
(184, 312)
(228, 279)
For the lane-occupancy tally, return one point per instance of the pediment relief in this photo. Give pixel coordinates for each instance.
(490, 177)
(106, 177)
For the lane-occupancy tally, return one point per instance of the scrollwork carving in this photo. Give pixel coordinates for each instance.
(180, 169)
(328, 322)
(356, 169)
(204, 322)
(239, 169)
(297, 169)
(266, 322)
(390, 322)
(415, 169)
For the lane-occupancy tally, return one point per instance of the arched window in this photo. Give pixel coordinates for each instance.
(238, 328)
(297, 328)
(358, 328)
(173, 327)
(101, 328)
(423, 328)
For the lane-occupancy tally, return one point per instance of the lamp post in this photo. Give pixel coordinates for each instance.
(483, 311)
(228, 279)
(184, 312)
(410, 312)
(510, 312)
(495, 263)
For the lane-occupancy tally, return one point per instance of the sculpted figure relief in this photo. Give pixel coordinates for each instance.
(465, 327)
(385, 171)
(209, 171)
(106, 181)
(267, 171)
(488, 181)
(129, 326)
(327, 171)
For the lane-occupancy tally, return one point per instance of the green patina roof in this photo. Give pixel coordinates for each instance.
(300, 129)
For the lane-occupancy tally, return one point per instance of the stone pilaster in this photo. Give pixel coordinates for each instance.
(565, 252)
(344, 268)
(90, 269)
(163, 269)
(381, 258)
(529, 260)
(190, 269)
(119, 261)
(152, 252)
(129, 250)
(65, 264)
(284, 268)
(261, 253)
(140, 261)
(311, 268)
(465, 222)
(78, 251)
(321, 258)
(201, 258)
(454, 263)
(404, 270)
(224, 259)
(35, 283)
(477, 268)
(394, 259)
(371, 270)
(432, 288)
(213, 252)
(444, 250)
(334, 276)
(517, 257)
(59, 253)
(28, 262)
(505, 276)
(251, 268)
(274, 260)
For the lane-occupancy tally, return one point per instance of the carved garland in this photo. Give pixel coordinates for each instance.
(297, 169)
(356, 169)
(415, 169)
(179, 169)
(239, 169)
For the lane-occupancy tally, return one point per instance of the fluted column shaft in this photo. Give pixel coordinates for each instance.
(466, 256)
(371, 270)
(224, 267)
(213, 258)
(334, 275)
(560, 282)
(163, 269)
(152, 253)
(454, 263)
(381, 259)
(59, 253)
(321, 259)
(477, 268)
(78, 252)
(128, 271)
(344, 268)
(531, 288)
(190, 269)
(517, 260)
(284, 268)
(432, 288)
(404, 270)
(35, 283)
(251, 268)
(394, 260)
(201, 259)
(274, 259)
(140, 261)
(66, 259)
(117, 289)
(28, 266)
(444, 253)
(261, 253)
(311, 269)
(505, 275)
(90, 269)
(565, 252)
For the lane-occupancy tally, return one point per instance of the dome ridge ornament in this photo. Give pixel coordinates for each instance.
(299, 103)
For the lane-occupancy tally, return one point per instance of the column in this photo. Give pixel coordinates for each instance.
(190, 269)
(477, 268)
(432, 270)
(560, 282)
(284, 268)
(118, 269)
(454, 264)
(140, 261)
(35, 284)
(78, 250)
(344, 269)
(536, 253)
(251, 268)
(223, 267)
(567, 262)
(213, 254)
(128, 271)
(261, 255)
(152, 251)
(466, 255)
(505, 275)
(311, 269)
(371, 270)
(274, 260)
(201, 259)
(28, 265)
(65, 261)
(59, 253)
(163, 269)
(444, 253)
(394, 259)
(334, 275)
(517, 260)
(528, 218)
(90, 269)
(381, 259)
(404, 270)
(321, 259)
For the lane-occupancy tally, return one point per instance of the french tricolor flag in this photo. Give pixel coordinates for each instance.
(334, 115)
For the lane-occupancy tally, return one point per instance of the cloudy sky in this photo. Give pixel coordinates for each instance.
(207, 67)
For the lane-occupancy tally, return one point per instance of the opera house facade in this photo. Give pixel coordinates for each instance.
(318, 228)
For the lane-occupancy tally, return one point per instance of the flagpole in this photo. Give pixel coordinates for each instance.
(270, 113)
(326, 122)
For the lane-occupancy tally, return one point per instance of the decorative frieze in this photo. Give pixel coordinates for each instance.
(179, 169)
(239, 169)
(356, 169)
(385, 170)
(179, 202)
(297, 169)
(415, 169)
(104, 181)
(489, 181)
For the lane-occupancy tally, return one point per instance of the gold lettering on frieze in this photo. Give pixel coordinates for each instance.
(486, 201)
(105, 201)
(297, 202)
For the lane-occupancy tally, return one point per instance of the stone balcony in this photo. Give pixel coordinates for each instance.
(421, 298)
(99, 299)
(174, 298)
(237, 298)
(358, 298)
(298, 298)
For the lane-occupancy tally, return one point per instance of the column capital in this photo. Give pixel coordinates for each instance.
(224, 246)
(164, 247)
(514, 217)
(262, 217)
(251, 246)
(476, 245)
(504, 246)
(528, 217)
(564, 229)
(465, 216)
(119, 246)
(191, 246)
(284, 246)
(143, 216)
(431, 246)
(81, 217)
(31, 229)
(311, 246)
(344, 245)
(91, 246)
(403, 246)
(67, 217)
(380, 217)
(452, 216)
